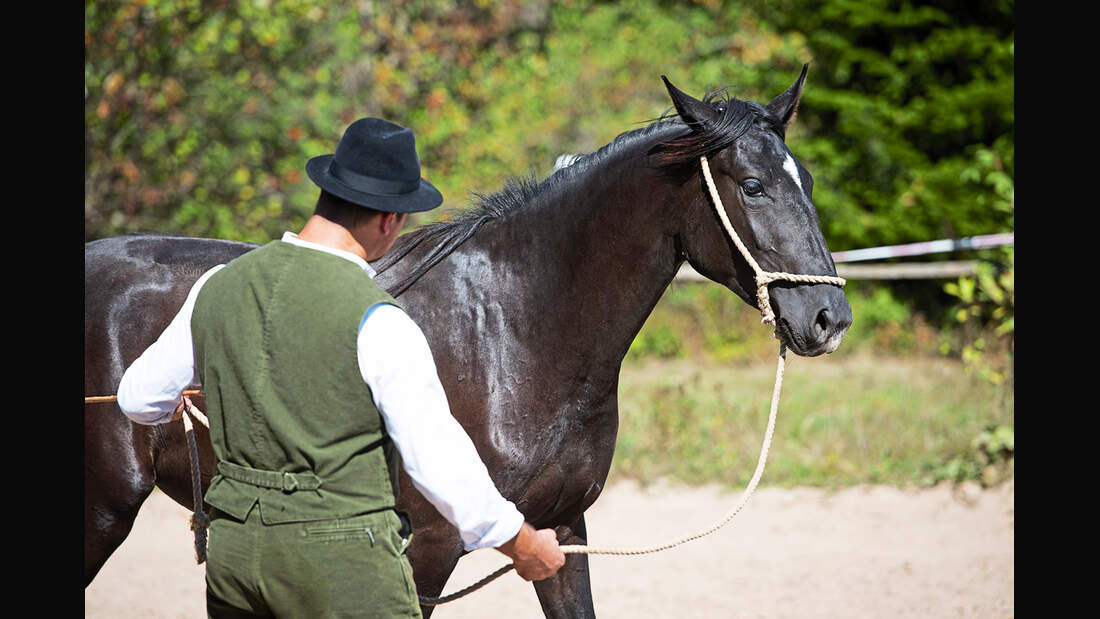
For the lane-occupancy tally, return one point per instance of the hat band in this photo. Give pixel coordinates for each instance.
(370, 184)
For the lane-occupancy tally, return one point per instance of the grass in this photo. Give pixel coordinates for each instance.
(843, 419)
(905, 401)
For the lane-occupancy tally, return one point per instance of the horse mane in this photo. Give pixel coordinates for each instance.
(734, 118)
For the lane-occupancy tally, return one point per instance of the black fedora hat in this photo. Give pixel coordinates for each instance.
(375, 165)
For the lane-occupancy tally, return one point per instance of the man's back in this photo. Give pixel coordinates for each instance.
(275, 336)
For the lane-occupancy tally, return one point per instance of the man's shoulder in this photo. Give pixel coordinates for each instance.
(391, 315)
(389, 323)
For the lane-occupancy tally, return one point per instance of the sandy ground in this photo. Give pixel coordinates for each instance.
(859, 552)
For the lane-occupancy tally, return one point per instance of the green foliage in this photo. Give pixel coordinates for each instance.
(704, 322)
(986, 314)
(883, 320)
(986, 309)
(901, 99)
(990, 459)
(660, 341)
(201, 114)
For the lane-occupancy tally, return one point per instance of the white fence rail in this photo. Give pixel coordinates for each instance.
(925, 247)
(900, 270)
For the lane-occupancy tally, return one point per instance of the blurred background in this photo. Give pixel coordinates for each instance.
(201, 114)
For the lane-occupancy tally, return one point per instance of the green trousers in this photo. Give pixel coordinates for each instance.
(349, 567)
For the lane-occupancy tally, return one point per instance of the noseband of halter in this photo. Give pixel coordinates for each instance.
(763, 278)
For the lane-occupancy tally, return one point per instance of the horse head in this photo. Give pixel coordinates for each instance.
(766, 194)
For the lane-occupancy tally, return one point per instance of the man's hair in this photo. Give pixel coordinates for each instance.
(340, 211)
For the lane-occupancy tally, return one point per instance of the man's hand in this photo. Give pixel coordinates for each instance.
(536, 554)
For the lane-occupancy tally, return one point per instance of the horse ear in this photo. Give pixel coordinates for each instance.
(693, 111)
(785, 105)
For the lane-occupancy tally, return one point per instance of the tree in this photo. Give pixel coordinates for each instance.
(906, 98)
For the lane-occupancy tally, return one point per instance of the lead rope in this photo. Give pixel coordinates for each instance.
(200, 522)
(763, 278)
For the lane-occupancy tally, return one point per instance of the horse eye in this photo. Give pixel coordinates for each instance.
(752, 187)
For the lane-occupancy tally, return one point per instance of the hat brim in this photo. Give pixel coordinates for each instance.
(423, 198)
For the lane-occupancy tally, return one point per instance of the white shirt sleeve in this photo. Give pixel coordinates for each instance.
(438, 455)
(151, 387)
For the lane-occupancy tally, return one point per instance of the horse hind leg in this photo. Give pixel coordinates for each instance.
(108, 519)
(116, 483)
(569, 592)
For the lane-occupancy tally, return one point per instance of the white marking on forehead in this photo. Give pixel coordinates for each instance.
(792, 168)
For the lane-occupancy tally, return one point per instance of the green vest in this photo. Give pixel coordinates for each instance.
(293, 426)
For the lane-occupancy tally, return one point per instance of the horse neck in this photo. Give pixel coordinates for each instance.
(589, 260)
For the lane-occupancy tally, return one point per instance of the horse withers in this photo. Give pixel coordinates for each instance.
(529, 301)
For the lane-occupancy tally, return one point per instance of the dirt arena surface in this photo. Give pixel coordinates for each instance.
(803, 552)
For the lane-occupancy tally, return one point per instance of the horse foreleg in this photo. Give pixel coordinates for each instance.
(569, 592)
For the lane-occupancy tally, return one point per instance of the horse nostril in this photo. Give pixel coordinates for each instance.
(821, 323)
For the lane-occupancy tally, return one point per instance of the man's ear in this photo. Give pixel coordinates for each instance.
(388, 221)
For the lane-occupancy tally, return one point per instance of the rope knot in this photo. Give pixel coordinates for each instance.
(763, 299)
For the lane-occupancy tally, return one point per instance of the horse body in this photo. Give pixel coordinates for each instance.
(529, 311)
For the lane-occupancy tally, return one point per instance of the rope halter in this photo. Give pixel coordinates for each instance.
(763, 278)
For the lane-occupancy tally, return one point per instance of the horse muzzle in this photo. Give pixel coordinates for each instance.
(810, 319)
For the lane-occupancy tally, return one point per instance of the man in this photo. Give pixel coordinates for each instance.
(315, 381)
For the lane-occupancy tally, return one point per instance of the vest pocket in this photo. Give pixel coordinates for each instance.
(341, 533)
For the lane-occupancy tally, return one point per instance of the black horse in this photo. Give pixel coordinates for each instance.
(529, 301)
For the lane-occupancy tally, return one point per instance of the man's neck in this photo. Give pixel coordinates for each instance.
(324, 232)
